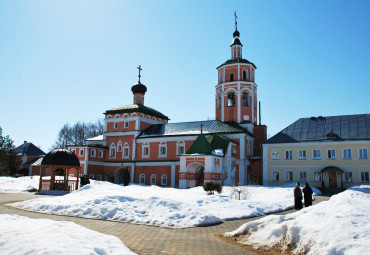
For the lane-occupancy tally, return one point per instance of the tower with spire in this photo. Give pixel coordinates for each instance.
(139, 90)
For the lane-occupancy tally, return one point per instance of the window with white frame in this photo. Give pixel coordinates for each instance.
(112, 151)
(126, 150)
(245, 99)
(316, 154)
(145, 150)
(231, 99)
(101, 154)
(180, 147)
(119, 146)
(92, 176)
(302, 154)
(245, 75)
(115, 125)
(302, 176)
(93, 153)
(289, 176)
(362, 153)
(164, 179)
(162, 149)
(364, 176)
(275, 176)
(125, 124)
(153, 179)
(331, 153)
(142, 178)
(347, 153)
(99, 177)
(275, 154)
(218, 101)
(347, 176)
(317, 176)
(81, 152)
(289, 154)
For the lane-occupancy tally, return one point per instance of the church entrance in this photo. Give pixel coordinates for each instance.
(121, 175)
(196, 171)
(332, 179)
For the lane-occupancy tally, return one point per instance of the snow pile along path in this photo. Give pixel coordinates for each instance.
(21, 235)
(338, 226)
(20, 184)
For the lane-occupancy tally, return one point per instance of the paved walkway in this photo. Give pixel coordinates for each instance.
(144, 239)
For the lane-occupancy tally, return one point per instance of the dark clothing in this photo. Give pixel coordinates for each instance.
(298, 198)
(307, 191)
(84, 180)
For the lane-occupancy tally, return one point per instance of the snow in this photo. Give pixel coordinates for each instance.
(340, 225)
(218, 152)
(21, 235)
(165, 207)
(20, 184)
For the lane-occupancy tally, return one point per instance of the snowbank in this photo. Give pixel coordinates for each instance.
(166, 207)
(338, 226)
(20, 184)
(22, 235)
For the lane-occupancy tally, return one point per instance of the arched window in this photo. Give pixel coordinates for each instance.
(245, 75)
(142, 178)
(255, 101)
(231, 77)
(220, 78)
(231, 99)
(153, 179)
(218, 101)
(245, 99)
(164, 179)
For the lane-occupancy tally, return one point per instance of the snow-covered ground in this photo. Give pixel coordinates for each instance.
(166, 207)
(21, 184)
(22, 235)
(338, 226)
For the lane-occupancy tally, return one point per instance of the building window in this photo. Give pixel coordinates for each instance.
(164, 179)
(245, 75)
(289, 176)
(115, 125)
(347, 153)
(218, 101)
(316, 154)
(81, 152)
(119, 147)
(231, 77)
(331, 153)
(74, 151)
(126, 153)
(303, 176)
(289, 154)
(92, 176)
(275, 176)
(99, 177)
(101, 153)
(245, 99)
(142, 178)
(126, 124)
(231, 99)
(275, 154)
(347, 176)
(302, 154)
(153, 179)
(248, 148)
(162, 150)
(317, 176)
(146, 151)
(93, 153)
(180, 150)
(112, 151)
(364, 176)
(362, 153)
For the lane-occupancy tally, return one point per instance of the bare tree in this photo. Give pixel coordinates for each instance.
(239, 193)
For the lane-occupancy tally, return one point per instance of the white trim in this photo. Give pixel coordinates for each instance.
(299, 176)
(350, 156)
(289, 171)
(162, 145)
(151, 179)
(93, 151)
(123, 133)
(331, 154)
(164, 183)
(368, 173)
(321, 143)
(140, 182)
(272, 176)
(367, 153)
(143, 147)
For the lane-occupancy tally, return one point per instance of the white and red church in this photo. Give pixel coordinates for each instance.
(185, 154)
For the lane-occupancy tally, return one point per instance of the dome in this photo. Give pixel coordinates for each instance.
(236, 33)
(138, 88)
(61, 157)
(236, 41)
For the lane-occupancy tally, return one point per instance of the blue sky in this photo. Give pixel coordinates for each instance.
(68, 61)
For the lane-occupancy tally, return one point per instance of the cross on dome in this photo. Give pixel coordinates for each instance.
(139, 72)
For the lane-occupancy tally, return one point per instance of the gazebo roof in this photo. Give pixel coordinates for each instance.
(61, 157)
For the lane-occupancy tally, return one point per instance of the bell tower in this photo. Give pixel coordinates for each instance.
(236, 91)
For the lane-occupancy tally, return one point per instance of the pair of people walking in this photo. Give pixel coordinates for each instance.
(307, 191)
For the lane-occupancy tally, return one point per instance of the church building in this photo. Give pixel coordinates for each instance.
(185, 154)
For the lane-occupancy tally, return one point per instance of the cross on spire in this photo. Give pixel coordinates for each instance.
(236, 21)
(139, 72)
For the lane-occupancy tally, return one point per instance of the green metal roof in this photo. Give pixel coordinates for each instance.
(137, 108)
(203, 145)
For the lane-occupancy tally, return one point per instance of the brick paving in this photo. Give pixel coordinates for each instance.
(144, 239)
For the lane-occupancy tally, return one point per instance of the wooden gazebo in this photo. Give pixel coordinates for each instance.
(61, 163)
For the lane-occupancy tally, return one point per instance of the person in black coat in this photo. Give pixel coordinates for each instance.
(298, 197)
(307, 191)
(84, 180)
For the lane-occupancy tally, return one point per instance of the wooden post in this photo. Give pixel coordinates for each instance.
(78, 177)
(66, 174)
(40, 182)
(52, 178)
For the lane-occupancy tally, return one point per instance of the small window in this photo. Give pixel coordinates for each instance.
(126, 124)
(142, 178)
(126, 152)
(347, 176)
(303, 176)
(289, 154)
(164, 179)
(347, 153)
(93, 153)
(231, 99)
(275, 176)
(245, 99)
(180, 150)
(317, 176)
(249, 148)
(115, 125)
(81, 152)
(316, 154)
(245, 75)
(92, 176)
(362, 153)
(101, 153)
(74, 151)
(289, 176)
(231, 77)
(218, 101)
(153, 179)
(163, 150)
(275, 154)
(145, 151)
(99, 177)
(364, 176)
(331, 153)
(302, 154)
(119, 147)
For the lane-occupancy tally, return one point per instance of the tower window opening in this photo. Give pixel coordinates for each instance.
(245, 75)
(218, 101)
(245, 99)
(231, 77)
(230, 99)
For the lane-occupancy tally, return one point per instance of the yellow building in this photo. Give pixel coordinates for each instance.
(326, 152)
